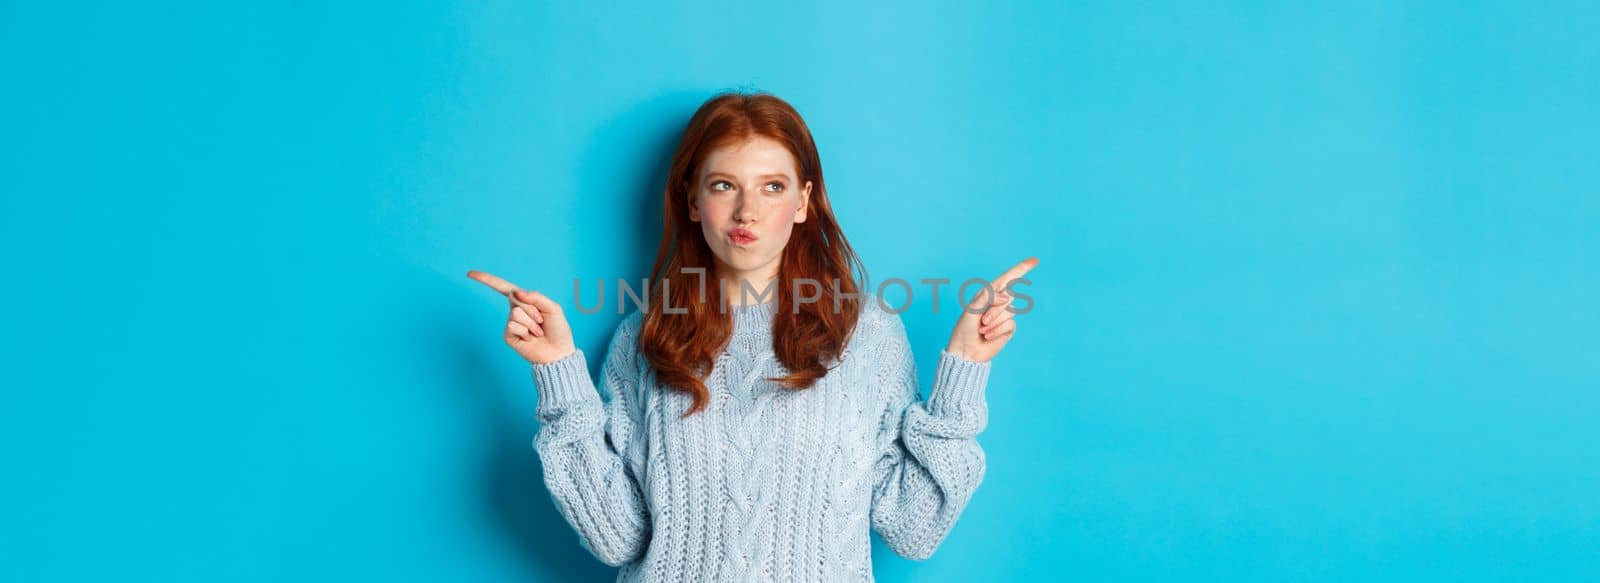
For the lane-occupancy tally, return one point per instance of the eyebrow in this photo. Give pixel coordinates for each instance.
(783, 176)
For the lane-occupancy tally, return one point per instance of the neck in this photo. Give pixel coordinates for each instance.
(745, 292)
(742, 288)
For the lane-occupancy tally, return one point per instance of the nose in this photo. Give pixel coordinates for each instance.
(745, 211)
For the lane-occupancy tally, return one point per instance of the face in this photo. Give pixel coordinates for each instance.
(747, 201)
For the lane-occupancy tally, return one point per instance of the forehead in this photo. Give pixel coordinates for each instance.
(756, 156)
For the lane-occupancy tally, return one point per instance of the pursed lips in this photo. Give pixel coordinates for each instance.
(742, 236)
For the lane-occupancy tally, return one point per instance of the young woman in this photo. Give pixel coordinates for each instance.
(756, 440)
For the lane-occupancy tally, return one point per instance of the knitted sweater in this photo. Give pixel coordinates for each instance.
(767, 483)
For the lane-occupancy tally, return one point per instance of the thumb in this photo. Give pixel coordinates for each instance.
(540, 301)
(985, 298)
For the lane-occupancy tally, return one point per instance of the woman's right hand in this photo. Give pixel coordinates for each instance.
(536, 328)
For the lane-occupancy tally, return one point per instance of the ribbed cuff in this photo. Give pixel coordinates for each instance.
(958, 385)
(564, 382)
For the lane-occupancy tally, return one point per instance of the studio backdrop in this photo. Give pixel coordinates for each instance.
(1318, 295)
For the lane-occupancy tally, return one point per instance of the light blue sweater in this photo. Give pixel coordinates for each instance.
(767, 483)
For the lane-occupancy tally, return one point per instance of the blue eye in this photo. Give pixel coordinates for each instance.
(779, 186)
(718, 183)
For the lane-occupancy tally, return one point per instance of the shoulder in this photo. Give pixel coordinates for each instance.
(631, 323)
(872, 309)
(625, 337)
(885, 350)
(876, 326)
(624, 363)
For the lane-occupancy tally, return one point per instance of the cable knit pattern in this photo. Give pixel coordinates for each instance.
(768, 483)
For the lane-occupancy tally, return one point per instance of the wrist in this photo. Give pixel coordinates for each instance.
(963, 353)
(540, 360)
(959, 386)
(562, 382)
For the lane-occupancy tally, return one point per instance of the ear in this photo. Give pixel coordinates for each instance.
(694, 204)
(805, 204)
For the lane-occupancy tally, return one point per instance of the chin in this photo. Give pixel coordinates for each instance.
(745, 261)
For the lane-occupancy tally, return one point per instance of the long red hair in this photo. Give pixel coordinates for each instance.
(682, 347)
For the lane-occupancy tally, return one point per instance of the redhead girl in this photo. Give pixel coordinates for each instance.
(754, 428)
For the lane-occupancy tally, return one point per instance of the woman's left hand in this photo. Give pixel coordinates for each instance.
(987, 323)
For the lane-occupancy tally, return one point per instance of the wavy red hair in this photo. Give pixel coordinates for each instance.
(682, 347)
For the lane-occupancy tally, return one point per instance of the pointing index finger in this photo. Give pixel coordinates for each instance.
(499, 285)
(1015, 272)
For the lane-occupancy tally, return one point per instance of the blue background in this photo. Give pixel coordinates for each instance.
(1317, 301)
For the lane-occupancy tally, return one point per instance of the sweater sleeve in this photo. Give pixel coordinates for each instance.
(930, 463)
(593, 451)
